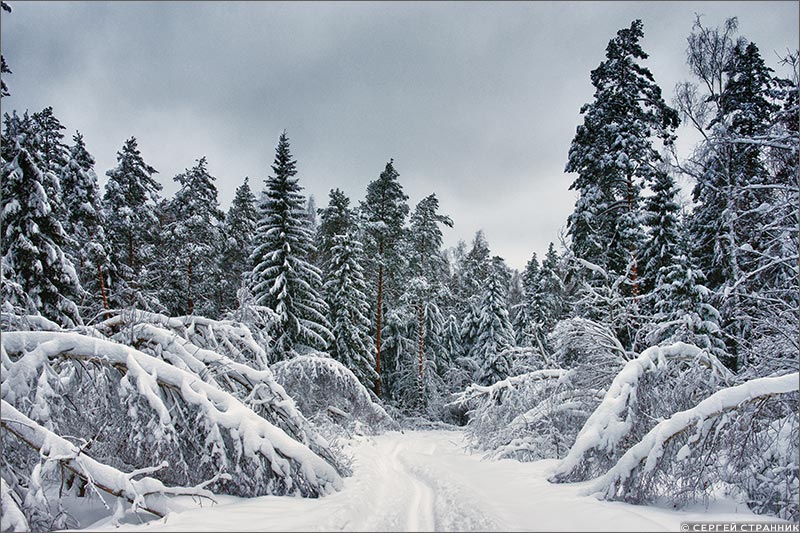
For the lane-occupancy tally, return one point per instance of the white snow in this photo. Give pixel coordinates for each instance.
(651, 447)
(425, 481)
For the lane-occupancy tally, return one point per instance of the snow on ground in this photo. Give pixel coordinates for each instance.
(425, 481)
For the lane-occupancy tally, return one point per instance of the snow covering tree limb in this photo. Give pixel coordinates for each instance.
(651, 448)
(611, 422)
(52, 447)
(295, 468)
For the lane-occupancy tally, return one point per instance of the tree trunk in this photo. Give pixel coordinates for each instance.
(130, 262)
(634, 267)
(190, 302)
(378, 336)
(421, 318)
(102, 289)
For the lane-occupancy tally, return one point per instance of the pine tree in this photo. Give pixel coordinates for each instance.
(88, 248)
(193, 236)
(130, 209)
(36, 271)
(237, 235)
(49, 140)
(495, 334)
(384, 211)
(613, 154)
(282, 278)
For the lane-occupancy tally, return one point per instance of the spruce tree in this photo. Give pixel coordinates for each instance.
(526, 312)
(130, 209)
(282, 278)
(237, 235)
(427, 267)
(88, 248)
(683, 311)
(193, 240)
(345, 288)
(495, 334)
(473, 272)
(661, 217)
(384, 211)
(336, 219)
(345, 292)
(550, 299)
(36, 271)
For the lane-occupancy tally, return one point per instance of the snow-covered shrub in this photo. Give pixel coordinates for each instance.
(578, 340)
(129, 411)
(328, 393)
(649, 388)
(260, 320)
(741, 440)
(537, 414)
(525, 417)
(221, 352)
(32, 501)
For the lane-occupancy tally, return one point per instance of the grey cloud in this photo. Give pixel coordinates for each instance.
(476, 101)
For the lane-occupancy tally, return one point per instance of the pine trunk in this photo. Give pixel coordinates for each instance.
(378, 336)
(130, 262)
(190, 302)
(102, 289)
(421, 317)
(634, 268)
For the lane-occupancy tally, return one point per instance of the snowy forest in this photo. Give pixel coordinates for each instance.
(159, 349)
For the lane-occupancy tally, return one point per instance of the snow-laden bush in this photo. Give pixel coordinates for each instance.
(25, 499)
(220, 352)
(649, 388)
(741, 440)
(185, 415)
(328, 393)
(537, 414)
(515, 417)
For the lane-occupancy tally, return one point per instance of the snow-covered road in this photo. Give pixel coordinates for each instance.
(425, 481)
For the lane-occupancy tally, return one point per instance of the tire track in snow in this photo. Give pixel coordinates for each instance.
(420, 515)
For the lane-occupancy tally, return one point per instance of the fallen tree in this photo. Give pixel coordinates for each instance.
(128, 410)
(743, 437)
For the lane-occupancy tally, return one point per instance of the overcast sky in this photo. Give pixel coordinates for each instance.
(476, 101)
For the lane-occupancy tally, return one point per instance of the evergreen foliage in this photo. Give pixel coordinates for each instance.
(38, 277)
(237, 234)
(345, 290)
(88, 248)
(130, 204)
(383, 212)
(194, 235)
(495, 334)
(282, 278)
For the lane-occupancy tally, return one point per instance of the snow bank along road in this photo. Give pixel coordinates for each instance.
(425, 481)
